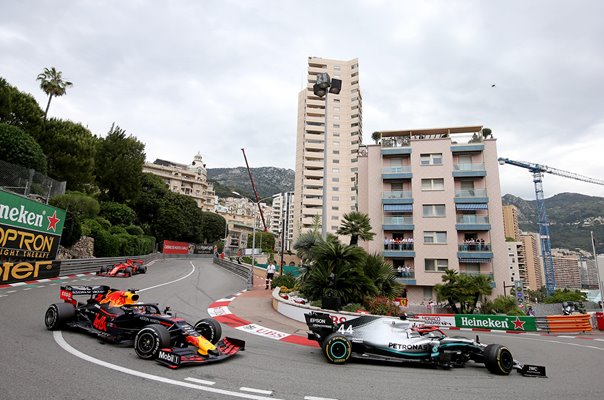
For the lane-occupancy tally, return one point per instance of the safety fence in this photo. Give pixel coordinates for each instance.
(243, 270)
(28, 182)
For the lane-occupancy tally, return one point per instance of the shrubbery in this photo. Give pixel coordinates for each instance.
(287, 280)
(381, 305)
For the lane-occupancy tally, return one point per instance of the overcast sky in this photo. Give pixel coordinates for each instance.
(217, 76)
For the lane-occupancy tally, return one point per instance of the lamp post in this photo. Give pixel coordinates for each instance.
(256, 205)
(320, 89)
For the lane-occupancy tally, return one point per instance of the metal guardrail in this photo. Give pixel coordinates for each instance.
(243, 270)
(84, 265)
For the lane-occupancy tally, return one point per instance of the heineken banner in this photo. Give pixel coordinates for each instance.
(495, 322)
(30, 233)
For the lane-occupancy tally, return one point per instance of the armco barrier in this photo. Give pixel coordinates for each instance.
(243, 270)
(568, 323)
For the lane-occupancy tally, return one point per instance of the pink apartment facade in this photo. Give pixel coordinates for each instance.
(434, 200)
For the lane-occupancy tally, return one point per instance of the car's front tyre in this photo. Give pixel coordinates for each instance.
(336, 348)
(210, 329)
(58, 314)
(498, 359)
(150, 340)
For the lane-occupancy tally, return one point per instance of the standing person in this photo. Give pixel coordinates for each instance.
(270, 273)
(530, 312)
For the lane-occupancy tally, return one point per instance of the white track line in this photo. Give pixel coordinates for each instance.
(167, 283)
(201, 381)
(61, 342)
(259, 391)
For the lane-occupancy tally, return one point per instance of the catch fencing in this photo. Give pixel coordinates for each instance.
(28, 182)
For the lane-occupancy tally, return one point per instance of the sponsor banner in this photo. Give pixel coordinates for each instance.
(171, 247)
(261, 331)
(444, 320)
(28, 270)
(22, 244)
(20, 212)
(218, 311)
(496, 322)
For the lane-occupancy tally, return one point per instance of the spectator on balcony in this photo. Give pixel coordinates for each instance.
(407, 271)
(399, 271)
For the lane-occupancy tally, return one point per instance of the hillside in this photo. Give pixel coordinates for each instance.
(268, 181)
(571, 217)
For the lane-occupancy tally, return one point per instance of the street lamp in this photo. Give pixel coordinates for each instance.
(324, 84)
(256, 205)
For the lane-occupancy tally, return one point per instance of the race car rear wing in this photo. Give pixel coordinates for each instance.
(67, 292)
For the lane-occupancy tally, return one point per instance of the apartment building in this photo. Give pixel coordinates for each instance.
(328, 128)
(535, 277)
(434, 201)
(283, 218)
(566, 269)
(511, 227)
(190, 180)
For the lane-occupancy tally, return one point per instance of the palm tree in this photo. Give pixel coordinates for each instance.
(376, 136)
(381, 274)
(337, 271)
(52, 83)
(356, 225)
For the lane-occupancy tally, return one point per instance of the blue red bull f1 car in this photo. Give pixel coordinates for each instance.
(117, 316)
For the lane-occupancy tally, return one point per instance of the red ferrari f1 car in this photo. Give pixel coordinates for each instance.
(117, 316)
(124, 269)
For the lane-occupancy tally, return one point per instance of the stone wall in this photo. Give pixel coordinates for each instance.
(84, 248)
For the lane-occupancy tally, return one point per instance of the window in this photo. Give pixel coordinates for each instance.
(433, 184)
(335, 170)
(336, 117)
(335, 217)
(337, 67)
(396, 186)
(436, 264)
(433, 210)
(336, 125)
(336, 134)
(336, 109)
(335, 189)
(336, 161)
(335, 198)
(335, 208)
(335, 179)
(427, 293)
(336, 142)
(431, 237)
(336, 100)
(431, 159)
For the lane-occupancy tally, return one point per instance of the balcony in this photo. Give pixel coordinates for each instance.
(475, 273)
(397, 224)
(467, 147)
(406, 277)
(399, 250)
(395, 146)
(395, 173)
(472, 223)
(471, 196)
(474, 253)
(469, 170)
(397, 197)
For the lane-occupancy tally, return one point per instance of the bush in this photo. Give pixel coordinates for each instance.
(287, 280)
(117, 230)
(353, 307)
(381, 305)
(134, 230)
(106, 245)
(117, 213)
(17, 147)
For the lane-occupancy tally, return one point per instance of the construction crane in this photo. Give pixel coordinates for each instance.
(255, 192)
(546, 248)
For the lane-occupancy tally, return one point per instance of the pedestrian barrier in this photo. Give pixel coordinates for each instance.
(568, 323)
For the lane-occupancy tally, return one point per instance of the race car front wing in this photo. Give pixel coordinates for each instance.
(179, 357)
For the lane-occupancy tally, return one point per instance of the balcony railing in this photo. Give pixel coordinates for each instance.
(396, 170)
(476, 273)
(398, 246)
(474, 247)
(468, 167)
(472, 219)
(398, 220)
(397, 194)
(395, 142)
(405, 274)
(471, 193)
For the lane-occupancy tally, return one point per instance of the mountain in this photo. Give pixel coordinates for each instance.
(571, 217)
(268, 181)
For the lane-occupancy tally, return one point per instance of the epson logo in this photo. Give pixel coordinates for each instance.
(318, 320)
(169, 357)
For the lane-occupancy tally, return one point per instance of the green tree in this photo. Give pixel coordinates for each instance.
(80, 204)
(376, 136)
(17, 147)
(70, 149)
(462, 292)
(337, 271)
(562, 295)
(20, 109)
(212, 227)
(381, 274)
(119, 166)
(266, 240)
(117, 213)
(356, 225)
(52, 83)
(179, 219)
(151, 198)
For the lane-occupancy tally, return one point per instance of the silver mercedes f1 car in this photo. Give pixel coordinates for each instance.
(390, 339)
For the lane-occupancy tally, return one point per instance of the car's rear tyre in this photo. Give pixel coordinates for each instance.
(142, 269)
(58, 314)
(128, 271)
(498, 359)
(210, 329)
(150, 340)
(336, 348)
